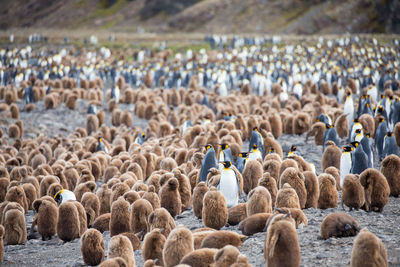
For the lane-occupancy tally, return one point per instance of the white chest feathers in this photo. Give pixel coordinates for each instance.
(229, 187)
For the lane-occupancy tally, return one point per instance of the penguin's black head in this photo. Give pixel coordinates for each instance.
(348, 94)
(254, 146)
(358, 131)
(143, 135)
(380, 109)
(389, 134)
(347, 148)
(226, 164)
(381, 119)
(99, 139)
(208, 147)
(271, 150)
(255, 129)
(355, 144)
(223, 146)
(328, 126)
(368, 135)
(355, 120)
(293, 148)
(391, 97)
(382, 96)
(243, 154)
(58, 196)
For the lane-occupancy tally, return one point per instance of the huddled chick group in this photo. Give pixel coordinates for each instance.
(211, 145)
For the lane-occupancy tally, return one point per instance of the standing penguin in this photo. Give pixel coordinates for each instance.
(255, 153)
(256, 138)
(225, 154)
(241, 161)
(330, 134)
(140, 138)
(100, 145)
(349, 107)
(367, 147)
(390, 145)
(292, 151)
(345, 163)
(359, 159)
(355, 125)
(229, 184)
(186, 125)
(115, 94)
(380, 137)
(209, 161)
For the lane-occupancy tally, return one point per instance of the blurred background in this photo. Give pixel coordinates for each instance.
(204, 16)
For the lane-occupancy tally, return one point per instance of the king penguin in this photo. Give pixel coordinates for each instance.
(292, 151)
(209, 161)
(92, 109)
(330, 134)
(355, 125)
(380, 136)
(140, 138)
(63, 196)
(390, 145)
(256, 139)
(255, 153)
(100, 145)
(186, 125)
(367, 147)
(229, 184)
(241, 161)
(115, 94)
(225, 154)
(349, 107)
(345, 163)
(359, 159)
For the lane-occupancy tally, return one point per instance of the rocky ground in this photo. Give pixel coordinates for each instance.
(314, 251)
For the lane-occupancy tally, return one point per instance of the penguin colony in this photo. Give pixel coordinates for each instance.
(211, 146)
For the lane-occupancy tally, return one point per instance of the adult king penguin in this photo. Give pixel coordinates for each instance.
(380, 136)
(366, 143)
(229, 184)
(345, 163)
(257, 139)
(390, 145)
(349, 107)
(140, 138)
(209, 161)
(255, 153)
(100, 145)
(241, 161)
(225, 154)
(330, 134)
(359, 159)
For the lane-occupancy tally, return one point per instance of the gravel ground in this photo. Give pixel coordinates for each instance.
(314, 251)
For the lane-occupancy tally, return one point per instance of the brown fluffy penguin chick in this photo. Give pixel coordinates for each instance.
(252, 172)
(215, 211)
(242, 261)
(391, 170)
(287, 198)
(342, 126)
(220, 239)
(297, 214)
(151, 263)
(14, 227)
(317, 130)
(162, 219)
(17, 194)
(331, 156)
(200, 257)
(276, 125)
(301, 123)
(328, 194)
(140, 210)
(270, 184)
(92, 124)
(104, 195)
(259, 201)
(254, 223)
(338, 224)
(68, 222)
(237, 213)
(119, 222)
(353, 195)
(281, 247)
(82, 217)
(102, 223)
(376, 189)
(184, 188)
(1, 243)
(153, 245)
(170, 198)
(178, 244)
(92, 247)
(312, 187)
(226, 256)
(121, 246)
(336, 174)
(368, 251)
(46, 218)
(197, 200)
(91, 204)
(295, 178)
